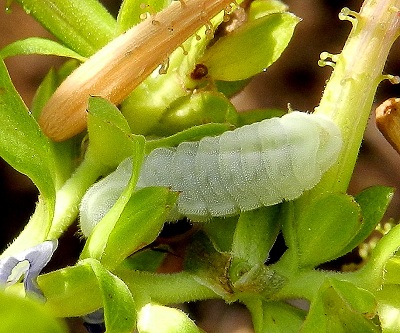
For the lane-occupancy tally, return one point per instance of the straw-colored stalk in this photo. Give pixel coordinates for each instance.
(120, 66)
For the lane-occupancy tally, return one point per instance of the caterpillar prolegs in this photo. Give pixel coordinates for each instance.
(252, 166)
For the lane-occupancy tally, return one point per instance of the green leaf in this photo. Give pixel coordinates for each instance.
(118, 304)
(255, 233)
(109, 133)
(21, 315)
(260, 8)
(342, 218)
(154, 318)
(280, 317)
(332, 312)
(22, 143)
(196, 109)
(274, 317)
(220, 231)
(131, 10)
(46, 88)
(153, 286)
(37, 45)
(146, 260)
(26, 149)
(83, 26)
(289, 223)
(326, 227)
(373, 202)
(231, 88)
(252, 116)
(359, 299)
(71, 291)
(192, 134)
(140, 223)
(389, 308)
(98, 239)
(392, 270)
(49, 85)
(251, 48)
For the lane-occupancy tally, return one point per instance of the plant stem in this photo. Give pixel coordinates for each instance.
(70, 195)
(347, 100)
(371, 276)
(349, 94)
(165, 288)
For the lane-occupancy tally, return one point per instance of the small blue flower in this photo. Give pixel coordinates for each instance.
(28, 263)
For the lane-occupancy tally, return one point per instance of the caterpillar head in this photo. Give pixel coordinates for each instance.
(100, 198)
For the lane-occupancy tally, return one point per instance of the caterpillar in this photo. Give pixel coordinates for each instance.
(256, 165)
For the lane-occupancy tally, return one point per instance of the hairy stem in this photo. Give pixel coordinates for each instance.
(349, 94)
(70, 195)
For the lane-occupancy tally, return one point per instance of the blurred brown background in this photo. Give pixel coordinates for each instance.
(295, 78)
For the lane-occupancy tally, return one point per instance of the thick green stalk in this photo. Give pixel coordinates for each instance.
(165, 288)
(347, 100)
(350, 91)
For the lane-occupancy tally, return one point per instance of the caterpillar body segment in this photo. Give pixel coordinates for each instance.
(101, 196)
(252, 166)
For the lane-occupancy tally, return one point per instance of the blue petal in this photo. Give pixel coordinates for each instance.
(29, 263)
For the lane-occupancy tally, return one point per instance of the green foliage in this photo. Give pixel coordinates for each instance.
(324, 218)
(198, 108)
(29, 151)
(253, 249)
(225, 58)
(73, 22)
(276, 317)
(36, 45)
(154, 318)
(118, 313)
(389, 308)
(373, 203)
(71, 291)
(131, 11)
(109, 133)
(139, 224)
(341, 307)
(49, 85)
(26, 315)
(98, 239)
(22, 143)
(227, 257)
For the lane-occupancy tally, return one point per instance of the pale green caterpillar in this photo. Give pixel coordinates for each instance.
(256, 165)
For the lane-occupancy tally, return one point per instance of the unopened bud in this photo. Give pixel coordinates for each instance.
(388, 121)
